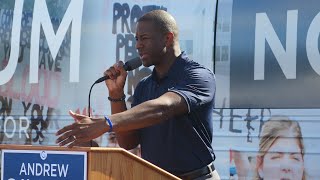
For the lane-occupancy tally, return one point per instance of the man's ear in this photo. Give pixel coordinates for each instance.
(259, 166)
(169, 39)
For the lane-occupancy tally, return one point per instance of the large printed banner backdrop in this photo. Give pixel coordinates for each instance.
(274, 59)
(51, 52)
(267, 62)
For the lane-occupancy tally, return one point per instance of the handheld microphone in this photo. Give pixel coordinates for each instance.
(128, 66)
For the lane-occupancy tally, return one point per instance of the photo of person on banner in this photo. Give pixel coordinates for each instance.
(280, 155)
(281, 150)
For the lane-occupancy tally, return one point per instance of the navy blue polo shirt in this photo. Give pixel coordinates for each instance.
(183, 143)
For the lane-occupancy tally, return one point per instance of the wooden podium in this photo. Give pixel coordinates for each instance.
(108, 163)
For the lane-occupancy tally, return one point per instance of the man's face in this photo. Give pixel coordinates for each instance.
(150, 43)
(283, 161)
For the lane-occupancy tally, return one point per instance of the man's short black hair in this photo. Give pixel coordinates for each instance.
(162, 20)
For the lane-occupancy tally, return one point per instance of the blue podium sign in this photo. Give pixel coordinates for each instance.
(44, 165)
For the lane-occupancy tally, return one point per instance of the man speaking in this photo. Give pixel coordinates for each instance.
(171, 114)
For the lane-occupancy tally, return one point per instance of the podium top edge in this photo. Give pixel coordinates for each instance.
(59, 148)
(48, 148)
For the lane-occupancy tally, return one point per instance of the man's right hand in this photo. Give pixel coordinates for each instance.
(117, 78)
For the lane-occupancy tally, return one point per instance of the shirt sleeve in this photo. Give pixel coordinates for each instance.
(197, 87)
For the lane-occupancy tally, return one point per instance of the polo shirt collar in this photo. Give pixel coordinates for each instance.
(172, 71)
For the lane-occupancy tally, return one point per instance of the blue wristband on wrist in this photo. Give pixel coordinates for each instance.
(109, 123)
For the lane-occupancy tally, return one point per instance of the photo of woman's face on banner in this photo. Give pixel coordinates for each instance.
(281, 147)
(281, 150)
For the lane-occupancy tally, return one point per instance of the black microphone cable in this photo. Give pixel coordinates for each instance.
(89, 107)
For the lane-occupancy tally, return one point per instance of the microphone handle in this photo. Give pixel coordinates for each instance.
(128, 66)
(125, 66)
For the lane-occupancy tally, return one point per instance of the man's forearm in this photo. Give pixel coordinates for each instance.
(127, 140)
(117, 107)
(149, 113)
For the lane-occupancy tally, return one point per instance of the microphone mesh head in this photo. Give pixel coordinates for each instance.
(133, 64)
